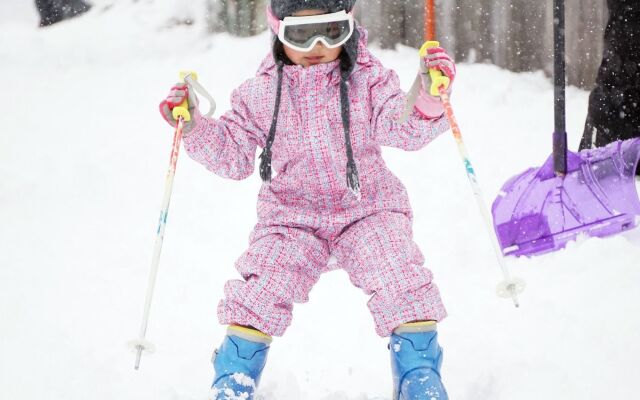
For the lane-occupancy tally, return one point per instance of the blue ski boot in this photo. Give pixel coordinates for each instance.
(415, 362)
(238, 363)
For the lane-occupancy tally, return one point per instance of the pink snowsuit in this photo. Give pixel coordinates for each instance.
(307, 212)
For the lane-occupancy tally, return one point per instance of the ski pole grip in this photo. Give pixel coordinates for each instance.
(183, 109)
(438, 79)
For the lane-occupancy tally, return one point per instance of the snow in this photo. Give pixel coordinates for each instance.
(83, 156)
(243, 379)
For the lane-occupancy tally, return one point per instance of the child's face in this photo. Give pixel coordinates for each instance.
(318, 55)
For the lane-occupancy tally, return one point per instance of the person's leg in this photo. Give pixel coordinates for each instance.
(73, 8)
(380, 256)
(48, 13)
(52, 11)
(279, 269)
(598, 129)
(614, 103)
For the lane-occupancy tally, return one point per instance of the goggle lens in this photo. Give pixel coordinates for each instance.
(305, 34)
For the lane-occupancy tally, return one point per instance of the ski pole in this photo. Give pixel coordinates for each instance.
(181, 114)
(429, 20)
(510, 287)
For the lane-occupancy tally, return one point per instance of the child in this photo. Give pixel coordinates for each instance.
(320, 106)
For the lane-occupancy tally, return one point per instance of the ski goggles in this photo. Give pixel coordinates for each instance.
(303, 33)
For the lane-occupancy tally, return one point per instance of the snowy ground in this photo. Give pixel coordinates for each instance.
(83, 154)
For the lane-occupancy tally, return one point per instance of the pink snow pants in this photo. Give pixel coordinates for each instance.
(283, 263)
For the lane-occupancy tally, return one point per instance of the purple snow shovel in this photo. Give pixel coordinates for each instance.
(590, 193)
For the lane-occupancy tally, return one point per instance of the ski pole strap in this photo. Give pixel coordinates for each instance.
(193, 83)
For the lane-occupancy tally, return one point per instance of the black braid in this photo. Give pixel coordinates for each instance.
(265, 157)
(353, 181)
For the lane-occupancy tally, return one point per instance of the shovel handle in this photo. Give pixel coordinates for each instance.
(559, 73)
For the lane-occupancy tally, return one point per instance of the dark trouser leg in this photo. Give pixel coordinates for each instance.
(49, 12)
(52, 11)
(613, 115)
(73, 8)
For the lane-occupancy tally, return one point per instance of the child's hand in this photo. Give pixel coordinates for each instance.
(428, 105)
(179, 92)
(437, 58)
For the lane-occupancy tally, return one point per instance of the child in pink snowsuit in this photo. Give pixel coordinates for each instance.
(321, 106)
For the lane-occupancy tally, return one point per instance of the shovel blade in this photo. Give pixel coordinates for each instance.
(538, 212)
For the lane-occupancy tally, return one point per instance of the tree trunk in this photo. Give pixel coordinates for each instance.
(513, 34)
(392, 23)
(238, 17)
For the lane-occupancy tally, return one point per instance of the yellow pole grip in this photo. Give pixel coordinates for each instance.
(437, 77)
(183, 109)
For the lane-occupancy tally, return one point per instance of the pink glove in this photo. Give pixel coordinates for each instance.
(430, 106)
(179, 92)
(438, 58)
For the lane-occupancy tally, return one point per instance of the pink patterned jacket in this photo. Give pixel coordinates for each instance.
(308, 187)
